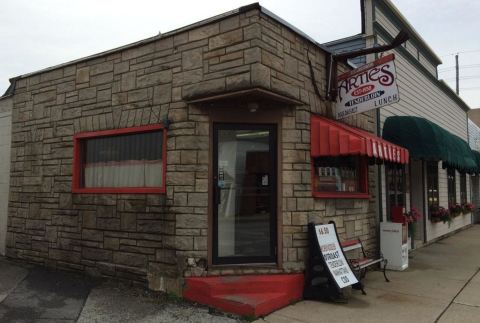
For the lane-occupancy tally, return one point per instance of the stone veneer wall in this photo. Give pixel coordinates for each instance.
(157, 238)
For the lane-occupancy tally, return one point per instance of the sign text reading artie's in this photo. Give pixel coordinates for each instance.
(368, 87)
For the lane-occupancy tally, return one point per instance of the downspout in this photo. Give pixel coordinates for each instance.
(424, 206)
(379, 170)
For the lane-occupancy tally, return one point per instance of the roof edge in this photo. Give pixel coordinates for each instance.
(173, 32)
(345, 39)
(11, 88)
(411, 30)
(294, 29)
(148, 40)
(454, 95)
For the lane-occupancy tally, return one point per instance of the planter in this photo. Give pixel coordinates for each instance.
(454, 215)
(439, 213)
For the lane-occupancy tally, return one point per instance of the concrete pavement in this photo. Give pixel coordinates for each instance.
(442, 284)
(33, 294)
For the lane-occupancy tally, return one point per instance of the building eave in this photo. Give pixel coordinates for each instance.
(174, 32)
(414, 35)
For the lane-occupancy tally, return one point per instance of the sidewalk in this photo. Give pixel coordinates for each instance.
(442, 284)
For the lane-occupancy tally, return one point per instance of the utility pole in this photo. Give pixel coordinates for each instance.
(457, 74)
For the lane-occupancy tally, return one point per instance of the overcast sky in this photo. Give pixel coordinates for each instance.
(42, 33)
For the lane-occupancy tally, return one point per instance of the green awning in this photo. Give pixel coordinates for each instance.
(428, 141)
(476, 154)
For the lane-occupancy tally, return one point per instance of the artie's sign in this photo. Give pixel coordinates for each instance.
(368, 87)
(333, 255)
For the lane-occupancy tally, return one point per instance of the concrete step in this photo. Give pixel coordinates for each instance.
(249, 295)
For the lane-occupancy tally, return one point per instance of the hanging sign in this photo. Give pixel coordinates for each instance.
(368, 87)
(333, 255)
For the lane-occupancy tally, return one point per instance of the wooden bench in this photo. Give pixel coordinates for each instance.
(360, 264)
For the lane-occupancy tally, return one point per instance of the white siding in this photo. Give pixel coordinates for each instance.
(5, 137)
(381, 18)
(436, 230)
(426, 63)
(421, 97)
(473, 135)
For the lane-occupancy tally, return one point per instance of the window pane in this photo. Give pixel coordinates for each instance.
(452, 194)
(432, 184)
(132, 160)
(337, 174)
(244, 182)
(395, 186)
(463, 188)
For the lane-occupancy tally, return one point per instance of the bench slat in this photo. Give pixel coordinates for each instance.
(365, 262)
(352, 247)
(362, 263)
(348, 243)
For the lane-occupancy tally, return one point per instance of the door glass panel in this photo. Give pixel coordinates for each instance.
(244, 193)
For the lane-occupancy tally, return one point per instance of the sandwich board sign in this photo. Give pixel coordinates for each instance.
(368, 87)
(333, 255)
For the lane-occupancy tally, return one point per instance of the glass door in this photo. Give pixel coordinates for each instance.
(245, 189)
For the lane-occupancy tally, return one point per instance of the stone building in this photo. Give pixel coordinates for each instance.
(185, 154)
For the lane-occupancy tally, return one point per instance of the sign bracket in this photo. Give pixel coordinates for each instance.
(402, 37)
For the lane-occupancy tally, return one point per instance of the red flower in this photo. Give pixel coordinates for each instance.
(413, 216)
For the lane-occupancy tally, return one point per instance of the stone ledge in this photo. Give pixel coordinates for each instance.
(252, 94)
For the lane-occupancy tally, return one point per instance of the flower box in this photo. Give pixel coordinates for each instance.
(440, 214)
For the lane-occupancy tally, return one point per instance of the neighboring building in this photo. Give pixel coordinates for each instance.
(5, 138)
(474, 116)
(425, 184)
(474, 141)
(187, 154)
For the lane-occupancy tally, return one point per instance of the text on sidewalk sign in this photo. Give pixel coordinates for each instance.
(333, 255)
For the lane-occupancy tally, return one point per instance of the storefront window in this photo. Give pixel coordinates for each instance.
(432, 184)
(339, 176)
(463, 188)
(452, 192)
(120, 161)
(395, 186)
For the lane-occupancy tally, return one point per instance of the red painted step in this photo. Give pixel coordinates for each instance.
(249, 295)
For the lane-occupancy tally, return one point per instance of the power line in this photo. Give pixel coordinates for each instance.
(462, 52)
(470, 88)
(461, 67)
(470, 51)
(467, 77)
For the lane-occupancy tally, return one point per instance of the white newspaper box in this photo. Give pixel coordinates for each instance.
(394, 245)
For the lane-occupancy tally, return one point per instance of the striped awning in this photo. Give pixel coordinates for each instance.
(331, 138)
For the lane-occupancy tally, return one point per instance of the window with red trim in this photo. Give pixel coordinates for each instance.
(129, 160)
(340, 177)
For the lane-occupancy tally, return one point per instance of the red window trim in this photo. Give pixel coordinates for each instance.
(339, 195)
(76, 188)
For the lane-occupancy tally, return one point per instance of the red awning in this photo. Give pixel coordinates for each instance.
(330, 138)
